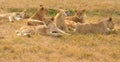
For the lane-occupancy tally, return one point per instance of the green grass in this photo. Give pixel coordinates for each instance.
(52, 12)
(104, 13)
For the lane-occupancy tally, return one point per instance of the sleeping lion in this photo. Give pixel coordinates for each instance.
(14, 16)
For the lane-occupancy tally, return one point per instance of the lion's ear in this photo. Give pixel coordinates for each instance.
(41, 5)
(58, 10)
(83, 10)
(42, 8)
(75, 10)
(52, 18)
(110, 19)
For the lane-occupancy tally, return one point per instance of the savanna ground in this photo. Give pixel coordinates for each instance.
(74, 48)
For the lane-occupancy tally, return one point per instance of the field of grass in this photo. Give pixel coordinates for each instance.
(73, 48)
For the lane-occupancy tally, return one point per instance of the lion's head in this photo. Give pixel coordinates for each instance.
(109, 23)
(48, 21)
(43, 10)
(80, 16)
(63, 12)
(80, 13)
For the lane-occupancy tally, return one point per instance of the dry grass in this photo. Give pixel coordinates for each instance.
(74, 48)
(94, 4)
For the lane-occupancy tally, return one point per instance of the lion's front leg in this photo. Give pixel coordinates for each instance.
(11, 18)
(61, 31)
(54, 33)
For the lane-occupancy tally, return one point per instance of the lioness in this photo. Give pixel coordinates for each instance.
(38, 17)
(80, 16)
(101, 27)
(14, 16)
(49, 28)
(60, 19)
(40, 13)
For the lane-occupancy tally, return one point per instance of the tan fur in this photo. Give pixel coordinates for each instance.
(32, 22)
(26, 30)
(80, 16)
(25, 14)
(48, 29)
(40, 13)
(70, 25)
(60, 20)
(38, 18)
(100, 27)
(14, 16)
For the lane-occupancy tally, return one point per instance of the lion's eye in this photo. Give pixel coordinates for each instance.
(54, 32)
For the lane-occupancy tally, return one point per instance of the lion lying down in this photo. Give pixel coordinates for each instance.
(101, 27)
(15, 16)
(80, 16)
(49, 28)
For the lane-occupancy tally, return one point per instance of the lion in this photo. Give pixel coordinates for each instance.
(80, 16)
(14, 16)
(40, 13)
(59, 19)
(38, 17)
(49, 28)
(101, 27)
